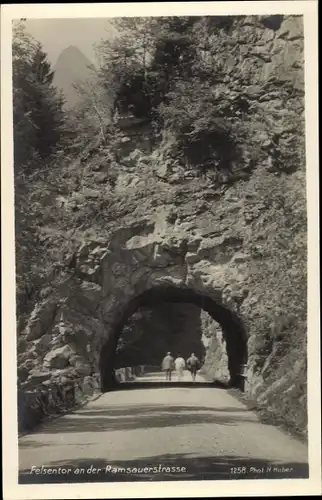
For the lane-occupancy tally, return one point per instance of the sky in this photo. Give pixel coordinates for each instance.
(57, 34)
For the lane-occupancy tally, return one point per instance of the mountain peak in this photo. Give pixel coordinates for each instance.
(71, 52)
(71, 67)
(72, 49)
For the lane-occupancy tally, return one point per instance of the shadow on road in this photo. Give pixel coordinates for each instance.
(166, 468)
(153, 385)
(104, 419)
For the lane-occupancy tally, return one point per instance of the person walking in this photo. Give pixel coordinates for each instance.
(168, 365)
(193, 365)
(180, 365)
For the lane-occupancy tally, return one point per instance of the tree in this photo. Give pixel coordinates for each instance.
(124, 61)
(94, 111)
(23, 46)
(38, 122)
(38, 115)
(47, 110)
(41, 67)
(144, 59)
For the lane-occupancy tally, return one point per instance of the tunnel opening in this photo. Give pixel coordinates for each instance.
(232, 327)
(152, 331)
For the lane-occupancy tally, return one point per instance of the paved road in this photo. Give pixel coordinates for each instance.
(160, 377)
(164, 433)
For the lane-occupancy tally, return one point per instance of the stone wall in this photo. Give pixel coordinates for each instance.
(51, 398)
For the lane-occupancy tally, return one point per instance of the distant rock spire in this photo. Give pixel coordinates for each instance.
(71, 67)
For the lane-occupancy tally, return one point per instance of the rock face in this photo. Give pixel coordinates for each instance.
(149, 267)
(216, 362)
(234, 249)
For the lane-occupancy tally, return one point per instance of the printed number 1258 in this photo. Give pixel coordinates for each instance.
(238, 470)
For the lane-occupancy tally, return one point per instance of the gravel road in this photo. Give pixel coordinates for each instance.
(160, 433)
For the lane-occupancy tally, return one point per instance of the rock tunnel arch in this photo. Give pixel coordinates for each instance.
(231, 323)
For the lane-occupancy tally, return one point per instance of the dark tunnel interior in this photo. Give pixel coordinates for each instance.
(232, 327)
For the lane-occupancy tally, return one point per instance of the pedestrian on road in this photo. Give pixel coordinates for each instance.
(168, 365)
(193, 365)
(180, 365)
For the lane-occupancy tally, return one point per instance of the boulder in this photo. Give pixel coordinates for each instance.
(81, 366)
(164, 171)
(42, 345)
(291, 28)
(87, 297)
(58, 358)
(37, 377)
(41, 319)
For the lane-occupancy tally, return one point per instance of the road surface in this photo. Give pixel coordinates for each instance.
(161, 377)
(160, 433)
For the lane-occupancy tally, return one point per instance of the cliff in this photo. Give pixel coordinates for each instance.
(132, 224)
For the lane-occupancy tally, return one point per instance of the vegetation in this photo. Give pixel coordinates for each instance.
(38, 116)
(166, 78)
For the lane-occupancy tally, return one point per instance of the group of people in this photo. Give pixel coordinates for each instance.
(169, 364)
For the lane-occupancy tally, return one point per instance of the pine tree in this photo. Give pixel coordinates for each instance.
(37, 106)
(23, 46)
(41, 67)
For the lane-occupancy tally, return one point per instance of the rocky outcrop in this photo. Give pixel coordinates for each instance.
(215, 366)
(93, 304)
(164, 232)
